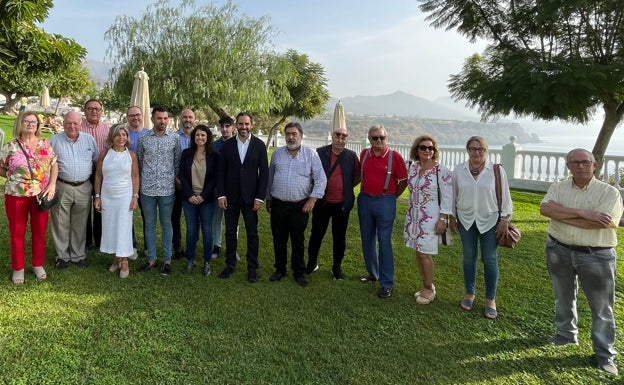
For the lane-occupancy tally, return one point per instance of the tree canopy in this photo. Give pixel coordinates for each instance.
(30, 58)
(204, 57)
(553, 59)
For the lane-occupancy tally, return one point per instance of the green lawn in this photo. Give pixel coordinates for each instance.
(90, 327)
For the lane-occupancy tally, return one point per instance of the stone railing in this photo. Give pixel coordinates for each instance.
(526, 170)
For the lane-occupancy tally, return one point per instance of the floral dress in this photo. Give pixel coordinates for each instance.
(19, 181)
(424, 210)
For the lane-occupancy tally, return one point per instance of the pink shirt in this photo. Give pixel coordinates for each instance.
(20, 182)
(98, 131)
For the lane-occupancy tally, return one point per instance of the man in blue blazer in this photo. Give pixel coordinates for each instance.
(241, 188)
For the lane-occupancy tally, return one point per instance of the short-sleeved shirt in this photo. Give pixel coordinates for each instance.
(375, 168)
(20, 182)
(159, 159)
(75, 158)
(134, 138)
(98, 131)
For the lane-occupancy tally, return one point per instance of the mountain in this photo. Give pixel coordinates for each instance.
(99, 71)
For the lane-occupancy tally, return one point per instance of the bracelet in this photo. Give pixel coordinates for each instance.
(442, 219)
(135, 195)
(97, 195)
(505, 219)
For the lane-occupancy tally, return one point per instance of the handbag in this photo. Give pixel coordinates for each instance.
(43, 202)
(446, 238)
(513, 233)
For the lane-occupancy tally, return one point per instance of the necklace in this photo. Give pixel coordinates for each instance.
(475, 170)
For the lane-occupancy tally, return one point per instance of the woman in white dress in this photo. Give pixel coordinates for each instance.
(427, 214)
(116, 196)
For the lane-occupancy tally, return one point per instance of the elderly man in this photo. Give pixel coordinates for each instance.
(241, 188)
(159, 158)
(296, 182)
(584, 214)
(226, 126)
(384, 178)
(93, 126)
(342, 168)
(187, 124)
(77, 154)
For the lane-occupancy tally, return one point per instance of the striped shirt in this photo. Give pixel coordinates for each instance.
(75, 159)
(98, 131)
(159, 159)
(295, 179)
(596, 195)
(185, 141)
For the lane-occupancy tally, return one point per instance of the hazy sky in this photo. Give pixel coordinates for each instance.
(367, 47)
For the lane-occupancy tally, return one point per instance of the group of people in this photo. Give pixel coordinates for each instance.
(116, 170)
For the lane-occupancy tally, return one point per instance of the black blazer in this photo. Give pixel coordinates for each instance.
(350, 174)
(246, 182)
(210, 181)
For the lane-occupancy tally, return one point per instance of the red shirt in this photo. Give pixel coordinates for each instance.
(335, 187)
(375, 170)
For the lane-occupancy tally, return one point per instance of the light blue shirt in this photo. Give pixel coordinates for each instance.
(185, 141)
(134, 138)
(295, 179)
(75, 159)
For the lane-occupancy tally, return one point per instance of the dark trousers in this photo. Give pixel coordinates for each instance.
(288, 220)
(135, 242)
(94, 230)
(232, 214)
(321, 216)
(176, 215)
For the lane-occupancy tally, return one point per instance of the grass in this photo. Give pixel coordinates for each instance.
(90, 327)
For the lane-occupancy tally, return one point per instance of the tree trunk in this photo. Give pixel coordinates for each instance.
(274, 129)
(611, 120)
(10, 103)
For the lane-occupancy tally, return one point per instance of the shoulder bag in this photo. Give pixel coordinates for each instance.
(43, 202)
(513, 233)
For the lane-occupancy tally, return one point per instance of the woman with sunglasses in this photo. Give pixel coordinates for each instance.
(478, 221)
(430, 203)
(29, 164)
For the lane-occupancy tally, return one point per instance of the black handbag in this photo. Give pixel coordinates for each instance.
(43, 202)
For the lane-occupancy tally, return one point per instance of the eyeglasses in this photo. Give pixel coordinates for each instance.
(376, 138)
(580, 163)
(480, 150)
(424, 148)
(134, 116)
(340, 136)
(29, 122)
(95, 109)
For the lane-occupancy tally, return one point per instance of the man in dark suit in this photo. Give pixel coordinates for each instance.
(241, 188)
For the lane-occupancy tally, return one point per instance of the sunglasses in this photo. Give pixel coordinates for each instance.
(341, 136)
(376, 138)
(426, 148)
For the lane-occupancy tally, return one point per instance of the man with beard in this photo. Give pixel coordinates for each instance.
(187, 123)
(159, 158)
(296, 181)
(241, 188)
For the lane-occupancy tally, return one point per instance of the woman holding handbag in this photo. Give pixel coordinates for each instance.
(478, 220)
(430, 203)
(29, 164)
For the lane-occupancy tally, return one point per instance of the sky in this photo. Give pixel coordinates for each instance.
(367, 47)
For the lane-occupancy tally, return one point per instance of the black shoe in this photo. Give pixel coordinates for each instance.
(276, 276)
(146, 267)
(189, 266)
(82, 263)
(207, 270)
(301, 281)
(166, 269)
(60, 264)
(226, 272)
(215, 252)
(367, 279)
(178, 254)
(338, 274)
(559, 340)
(252, 276)
(384, 292)
(311, 269)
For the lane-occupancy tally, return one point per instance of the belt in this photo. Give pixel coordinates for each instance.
(72, 183)
(582, 249)
(301, 202)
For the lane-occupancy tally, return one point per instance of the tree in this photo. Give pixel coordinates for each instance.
(29, 57)
(304, 85)
(553, 59)
(203, 57)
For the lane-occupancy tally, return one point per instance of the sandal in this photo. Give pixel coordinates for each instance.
(125, 270)
(115, 266)
(466, 304)
(40, 273)
(18, 277)
(421, 299)
(490, 313)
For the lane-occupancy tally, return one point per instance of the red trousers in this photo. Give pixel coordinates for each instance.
(17, 211)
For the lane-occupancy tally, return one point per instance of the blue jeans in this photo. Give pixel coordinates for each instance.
(198, 216)
(596, 272)
(376, 215)
(489, 256)
(153, 208)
